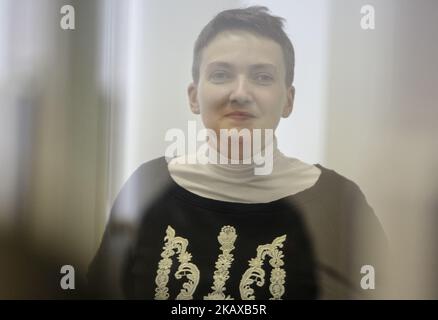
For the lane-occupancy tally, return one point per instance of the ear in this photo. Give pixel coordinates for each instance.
(287, 110)
(192, 91)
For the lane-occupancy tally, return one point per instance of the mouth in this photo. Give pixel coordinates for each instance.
(239, 115)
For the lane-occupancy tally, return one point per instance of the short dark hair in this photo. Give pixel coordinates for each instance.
(256, 20)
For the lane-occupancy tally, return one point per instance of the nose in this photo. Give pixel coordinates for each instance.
(241, 92)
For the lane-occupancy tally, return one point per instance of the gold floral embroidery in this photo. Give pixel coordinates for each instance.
(256, 274)
(186, 268)
(226, 238)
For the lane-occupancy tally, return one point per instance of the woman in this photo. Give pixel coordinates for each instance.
(219, 230)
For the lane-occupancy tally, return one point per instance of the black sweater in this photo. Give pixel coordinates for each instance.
(183, 246)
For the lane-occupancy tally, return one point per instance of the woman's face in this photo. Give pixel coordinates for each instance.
(241, 83)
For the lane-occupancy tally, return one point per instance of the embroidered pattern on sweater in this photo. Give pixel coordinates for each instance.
(256, 273)
(226, 238)
(186, 268)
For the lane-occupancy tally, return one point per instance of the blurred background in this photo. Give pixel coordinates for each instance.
(81, 109)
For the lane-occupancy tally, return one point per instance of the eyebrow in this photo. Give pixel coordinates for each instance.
(264, 66)
(256, 66)
(219, 64)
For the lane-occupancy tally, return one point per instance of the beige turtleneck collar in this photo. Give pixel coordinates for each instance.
(239, 183)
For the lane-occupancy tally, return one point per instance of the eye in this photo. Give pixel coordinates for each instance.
(220, 76)
(263, 78)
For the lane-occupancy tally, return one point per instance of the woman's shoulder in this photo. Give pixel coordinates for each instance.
(146, 183)
(336, 181)
(156, 167)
